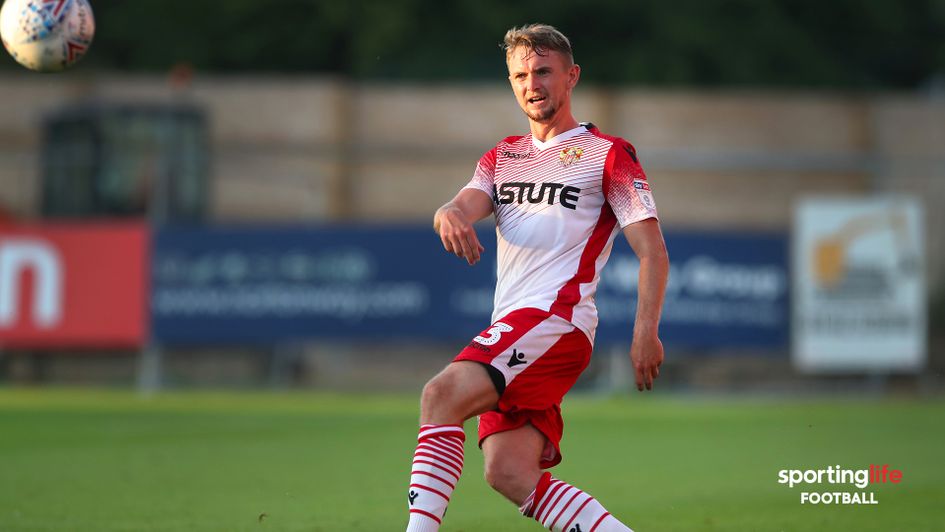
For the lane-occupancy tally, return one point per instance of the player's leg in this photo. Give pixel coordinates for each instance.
(513, 469)
(512, 461)
(561, 507)
(523, 437)
(459, 392)
(465, 388)
(462, 390)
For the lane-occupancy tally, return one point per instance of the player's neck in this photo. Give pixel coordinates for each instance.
(542, 131)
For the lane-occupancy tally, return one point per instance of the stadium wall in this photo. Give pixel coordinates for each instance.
(323, 149)
(295, 149)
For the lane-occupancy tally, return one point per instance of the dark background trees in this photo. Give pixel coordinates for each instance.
(708, 43)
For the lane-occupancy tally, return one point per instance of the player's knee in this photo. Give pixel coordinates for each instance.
(437, 395)
(456, 394)
(499, 478)
(434, 391)
(508, 478)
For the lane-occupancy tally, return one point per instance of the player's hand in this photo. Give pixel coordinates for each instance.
(646, 353)
(457, 234)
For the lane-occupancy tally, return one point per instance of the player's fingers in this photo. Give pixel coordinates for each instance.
(473, 255)
(454, 248)
(639, 373)
(648, 376)
(447, 245)
(475, 247)
(453, 242)
(465, 250)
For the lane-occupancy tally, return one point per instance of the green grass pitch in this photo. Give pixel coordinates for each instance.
(103, 460)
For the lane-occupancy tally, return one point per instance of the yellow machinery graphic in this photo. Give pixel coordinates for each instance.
(830, 261)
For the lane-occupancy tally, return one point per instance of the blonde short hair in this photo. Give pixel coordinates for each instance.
(539, 38)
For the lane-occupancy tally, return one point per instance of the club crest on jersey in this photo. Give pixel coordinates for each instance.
(570, 156)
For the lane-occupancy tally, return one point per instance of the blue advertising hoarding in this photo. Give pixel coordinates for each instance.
(266, 285)
(725, 290)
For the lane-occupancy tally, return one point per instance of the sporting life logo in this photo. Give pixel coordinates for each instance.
(836, 475)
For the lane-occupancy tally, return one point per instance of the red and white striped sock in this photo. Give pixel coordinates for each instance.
(560, 507)
(437, 465)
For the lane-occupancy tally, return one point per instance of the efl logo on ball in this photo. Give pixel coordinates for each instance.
(47, 35)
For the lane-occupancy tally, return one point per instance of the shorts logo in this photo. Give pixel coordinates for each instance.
(576, 528)
(570, 156)
(412, 496)
(494, 334)
(517, 358)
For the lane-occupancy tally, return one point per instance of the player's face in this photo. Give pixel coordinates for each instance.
(542, 83)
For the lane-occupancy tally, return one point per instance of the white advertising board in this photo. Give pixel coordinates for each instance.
(859, 299)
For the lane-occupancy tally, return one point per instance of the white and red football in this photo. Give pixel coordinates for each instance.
(47, 35)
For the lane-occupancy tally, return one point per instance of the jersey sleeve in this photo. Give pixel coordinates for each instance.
(625, 185)
(484, 177)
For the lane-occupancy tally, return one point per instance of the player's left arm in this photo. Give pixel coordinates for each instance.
(646, 351)
(628, 193)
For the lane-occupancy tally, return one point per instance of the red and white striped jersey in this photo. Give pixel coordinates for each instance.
(558, 206)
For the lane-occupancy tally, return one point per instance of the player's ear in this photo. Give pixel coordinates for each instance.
(574, 74)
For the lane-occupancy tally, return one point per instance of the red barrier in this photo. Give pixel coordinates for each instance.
(74, 285)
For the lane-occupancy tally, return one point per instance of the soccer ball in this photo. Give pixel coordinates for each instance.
(47, 35)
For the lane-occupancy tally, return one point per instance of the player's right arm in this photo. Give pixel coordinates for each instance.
(454, 223)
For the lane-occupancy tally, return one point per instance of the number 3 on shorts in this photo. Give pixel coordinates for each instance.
(495, 333)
